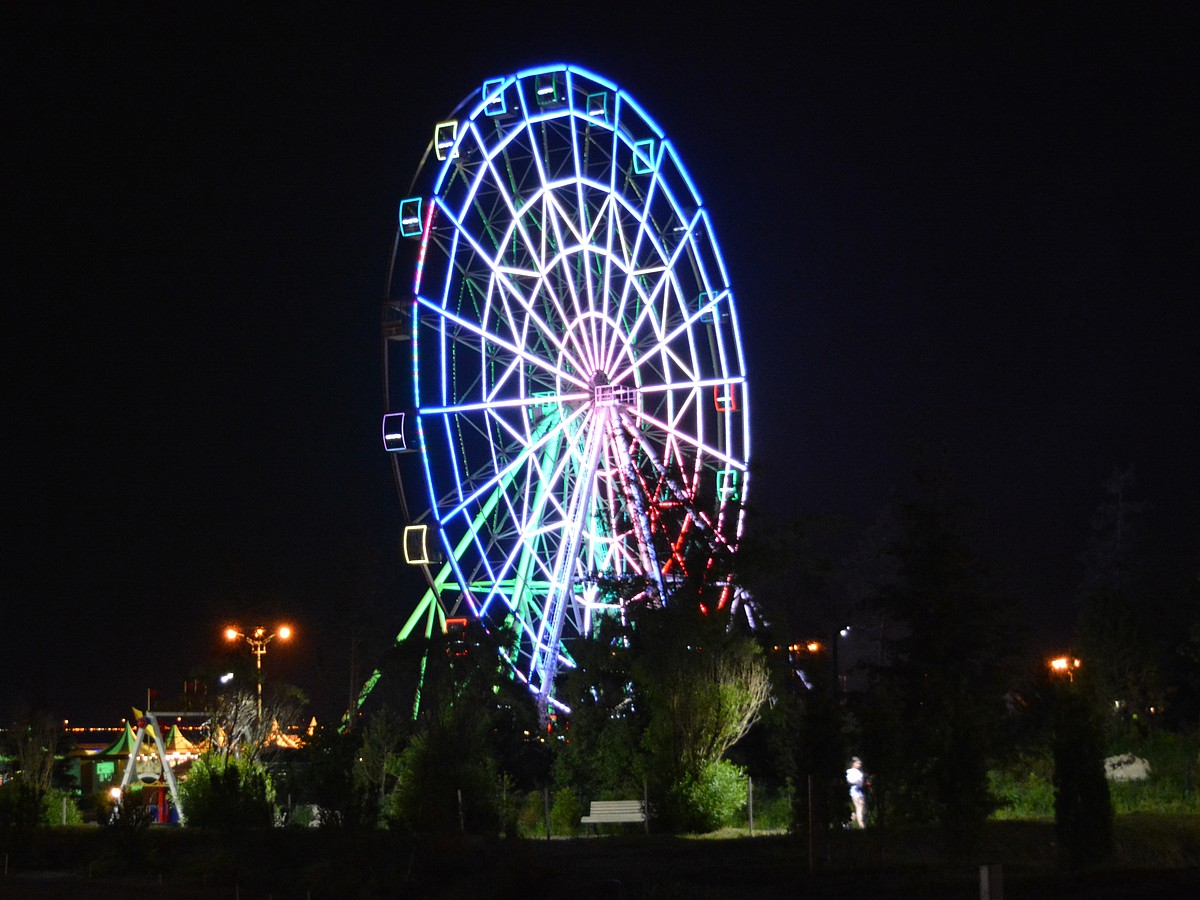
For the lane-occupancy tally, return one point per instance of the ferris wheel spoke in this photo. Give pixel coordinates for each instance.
(510, 467)
(498, 403)
(689, 439)
(678, 490)
(561, 262)
(546, 264)
(664, 344)
(505, 277)
(563, 580)
(501, 343)
(630, 253)
(662, 275)
(634, 496)
(698, 384)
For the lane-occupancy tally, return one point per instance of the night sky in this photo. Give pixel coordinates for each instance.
(970, 227)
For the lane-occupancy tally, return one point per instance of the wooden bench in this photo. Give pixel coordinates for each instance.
(605, 811)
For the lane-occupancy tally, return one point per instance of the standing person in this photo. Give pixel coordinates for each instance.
(855, 778)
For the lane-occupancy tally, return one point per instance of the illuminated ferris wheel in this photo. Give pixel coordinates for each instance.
(562, 353)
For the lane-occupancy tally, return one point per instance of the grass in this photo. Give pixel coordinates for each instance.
(1158, 856)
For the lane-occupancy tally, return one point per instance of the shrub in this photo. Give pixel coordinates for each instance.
(1025, 790)
(54, 803)
(565, 812)
(227, 792)
(702, 803)
(531, 818)
(441, 789)
(21, 804)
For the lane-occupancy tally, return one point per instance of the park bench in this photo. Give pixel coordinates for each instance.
(605, 811)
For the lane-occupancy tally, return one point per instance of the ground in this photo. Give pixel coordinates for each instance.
(1156, 858)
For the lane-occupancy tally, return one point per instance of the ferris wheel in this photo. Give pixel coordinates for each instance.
(564, 372)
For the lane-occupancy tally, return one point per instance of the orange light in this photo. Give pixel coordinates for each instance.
(813, 646)
(285, 633)
(231, 634)
(1064, 664)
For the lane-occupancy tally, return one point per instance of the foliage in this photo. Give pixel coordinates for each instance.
(565, 812)
(332, 780)
(1174, 762)
(804, 724)
(227, 792)
(239, 728)
(1024, 789)
(935, 708)
(599, 755)
(30, 798)
(661, 698)
(376, 769)
(54, 802)
(1122, 661)
(476, 740)
(34, 739)
(1083, 812)
(704, 687)
(531, 817)
(703, 801)
(443, 787)
(774, 808)
(21, 804)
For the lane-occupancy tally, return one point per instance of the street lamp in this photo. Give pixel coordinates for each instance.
(258, 640)
(1064, 665)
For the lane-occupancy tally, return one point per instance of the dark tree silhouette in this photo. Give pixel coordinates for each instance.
(936, 701)
(1122, 662)
(1083, 813)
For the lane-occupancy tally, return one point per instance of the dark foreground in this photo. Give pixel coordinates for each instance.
(1157, 858)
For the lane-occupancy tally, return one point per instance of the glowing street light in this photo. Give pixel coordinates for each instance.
(258, 640)
(1064, 665)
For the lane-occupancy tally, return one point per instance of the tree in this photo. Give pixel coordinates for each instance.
(663, 695)
(704, 687)
(476, 731)
(1122, 662)
(33, 742)
(600, 757)
(936, 702)
(237, 727)
(1083, 812)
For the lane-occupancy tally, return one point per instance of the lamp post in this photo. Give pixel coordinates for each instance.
(258, 640)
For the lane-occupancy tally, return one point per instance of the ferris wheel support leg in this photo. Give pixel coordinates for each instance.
(429, 610)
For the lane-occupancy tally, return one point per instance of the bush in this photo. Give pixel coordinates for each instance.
(440, 789)
(21, 804)
(227, 792)
(565, 812)
(531, 818)
(703, 803)
(1025, 790)
(53, 806)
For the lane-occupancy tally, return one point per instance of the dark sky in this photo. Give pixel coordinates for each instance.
(972, 227)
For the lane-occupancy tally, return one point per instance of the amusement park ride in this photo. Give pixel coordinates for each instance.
(566, 384)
